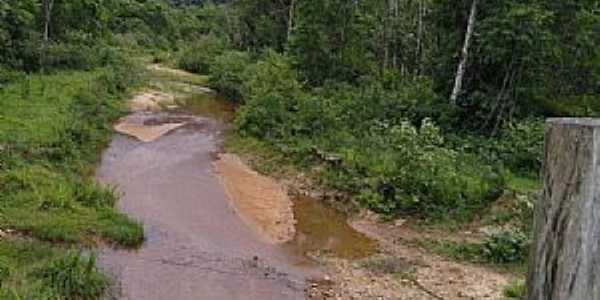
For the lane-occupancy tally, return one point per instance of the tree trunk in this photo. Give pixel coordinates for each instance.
(565, 256)
(48, 5)
(460, 73)
(291, 14)
(420, 14)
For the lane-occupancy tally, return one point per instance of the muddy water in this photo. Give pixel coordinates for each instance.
(196, 246)
(322, 230)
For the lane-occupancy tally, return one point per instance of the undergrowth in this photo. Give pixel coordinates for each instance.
(52, 129)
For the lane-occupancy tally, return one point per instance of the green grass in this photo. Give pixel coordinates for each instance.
(515, 291)
(32, 269)
(524, 184)
(52, 129)
(471, 252)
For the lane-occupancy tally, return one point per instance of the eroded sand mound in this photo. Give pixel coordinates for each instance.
(143, 106)
(145, 133)
(259, 200)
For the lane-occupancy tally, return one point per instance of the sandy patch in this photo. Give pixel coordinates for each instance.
(150, 101)
(146, 133)
(435, 277)
(259, 200)
(161, 68)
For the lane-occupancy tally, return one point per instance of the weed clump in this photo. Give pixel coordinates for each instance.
(507, 246)
(74, 276)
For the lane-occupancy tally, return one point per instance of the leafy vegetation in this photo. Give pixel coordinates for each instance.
(507, 246)
(74, 277)
(504, 248)
(515, 291)
(372, 98)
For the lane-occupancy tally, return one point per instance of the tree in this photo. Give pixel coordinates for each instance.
(460, 73)
(48, 5)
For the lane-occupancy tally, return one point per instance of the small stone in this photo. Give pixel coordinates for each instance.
(399, 222)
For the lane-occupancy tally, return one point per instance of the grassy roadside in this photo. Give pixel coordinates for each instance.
(52, 129)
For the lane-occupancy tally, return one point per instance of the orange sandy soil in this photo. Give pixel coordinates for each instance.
(258, 199)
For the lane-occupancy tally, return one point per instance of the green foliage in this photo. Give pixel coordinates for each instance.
(74, 277)
(4, 271)
(460, 251)
(45, 187)
(200, 55)
(271, 90)
(333, 40)
(515, 291)
(507, 246)
(260, 24)
(364, 141)
(518, 147)
(226, 74)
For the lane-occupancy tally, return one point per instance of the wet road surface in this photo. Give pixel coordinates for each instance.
(196, 247)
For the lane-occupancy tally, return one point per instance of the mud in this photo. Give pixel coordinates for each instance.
(196, 245)
(150, 101)
(215, 229)
(259, 200)
(324, 231)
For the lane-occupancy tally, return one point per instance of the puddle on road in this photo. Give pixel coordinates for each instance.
(322, 229)
(209, 105)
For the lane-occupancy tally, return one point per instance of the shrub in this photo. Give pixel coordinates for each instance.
(507, 246)
(74, 277)
(407, 169)
(365, 141)
(226, 74)
(199, 56)
(271, 92)
(521, 145)
(93, 194)
(515, 291)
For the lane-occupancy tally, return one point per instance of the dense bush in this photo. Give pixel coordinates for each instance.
(200, 55)
(226, 74)
(519, 146)
(366, 140)
(506, 246)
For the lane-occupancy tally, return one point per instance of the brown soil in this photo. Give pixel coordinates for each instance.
(401, 269)
(143, 107)
(259, 200)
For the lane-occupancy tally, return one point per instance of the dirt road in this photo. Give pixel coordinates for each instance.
(196, 246)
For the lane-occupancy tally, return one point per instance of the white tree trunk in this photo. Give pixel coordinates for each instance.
(291, 15)
(565, 255)
(48, 5)
(460, 73)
